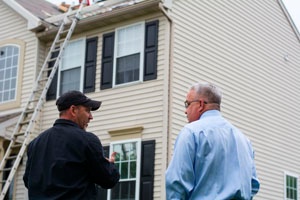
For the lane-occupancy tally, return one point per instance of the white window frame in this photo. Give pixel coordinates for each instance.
(17, 73)
(142, 44)
(81, 63)
(138, 164)
(285, 186)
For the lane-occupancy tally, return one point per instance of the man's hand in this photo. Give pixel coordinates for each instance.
(112, 157)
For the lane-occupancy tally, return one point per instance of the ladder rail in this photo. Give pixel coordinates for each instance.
(45, 64)
(40, 102)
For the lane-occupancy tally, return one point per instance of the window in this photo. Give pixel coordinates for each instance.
(9, 64)
(129, 55)
(128, 162)
(291, 187)
(71, 67)
(77, 68)
(136, 164)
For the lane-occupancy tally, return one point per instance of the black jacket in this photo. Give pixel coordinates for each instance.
(65, 162)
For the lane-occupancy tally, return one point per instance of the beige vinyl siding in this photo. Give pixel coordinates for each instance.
(16, 29)
(133, 105)
(241, 46)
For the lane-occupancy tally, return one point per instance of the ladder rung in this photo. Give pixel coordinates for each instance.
(6, 169)
(36, 91)
(3, 181)
(33, 100)
(16, 146)
(43, 79)
(25, 122)
(19, 134)
(64, 31)
(47, 69)
(56, 49)
(11, 157)
(52, 59)
(29, 111)
(60, 40)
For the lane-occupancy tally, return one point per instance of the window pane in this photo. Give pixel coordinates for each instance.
(70, 80)
(6, 96)
(15, 51)
(1, 75)
(8, 62)
(9, 51)
(124, 190)
(129, 40)
(2, 63)
(73, 55)
(124, 170)
(133, 169)
(14, 60)
(6, 85)
(14, 72)
(13, 83)
(128, 69)
(12, 94)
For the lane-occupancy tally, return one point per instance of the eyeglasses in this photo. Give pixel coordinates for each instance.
(188, 103)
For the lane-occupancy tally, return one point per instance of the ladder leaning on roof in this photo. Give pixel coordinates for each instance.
(24, 128)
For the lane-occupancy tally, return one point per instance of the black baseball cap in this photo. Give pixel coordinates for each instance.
(76, 98)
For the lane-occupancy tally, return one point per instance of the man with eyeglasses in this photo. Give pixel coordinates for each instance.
(212, 159)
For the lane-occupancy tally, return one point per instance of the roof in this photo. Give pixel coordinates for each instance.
(34, 11)
(101, 14)
(40, 8)
(41, 14)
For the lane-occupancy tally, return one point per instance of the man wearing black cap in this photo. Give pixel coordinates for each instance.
(65, 161)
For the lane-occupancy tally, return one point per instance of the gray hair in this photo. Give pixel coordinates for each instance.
(210, 92)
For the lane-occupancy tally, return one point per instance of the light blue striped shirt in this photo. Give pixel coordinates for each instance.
(212, 160)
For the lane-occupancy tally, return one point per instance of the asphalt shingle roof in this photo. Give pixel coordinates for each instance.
(40, 8)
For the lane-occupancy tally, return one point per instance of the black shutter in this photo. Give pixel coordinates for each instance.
(147, 170)
(90, 65)
(102, 193)
(51, 93)
(151, 43)
(107, 60)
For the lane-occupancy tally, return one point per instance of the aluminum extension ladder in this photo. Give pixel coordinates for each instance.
(23, 130)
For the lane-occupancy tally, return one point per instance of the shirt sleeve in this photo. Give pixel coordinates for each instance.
(180, 174)
(102, 171)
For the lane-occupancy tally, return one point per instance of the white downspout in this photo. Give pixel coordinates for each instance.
(167, 100)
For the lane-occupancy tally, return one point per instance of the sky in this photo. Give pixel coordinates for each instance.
(293, 6)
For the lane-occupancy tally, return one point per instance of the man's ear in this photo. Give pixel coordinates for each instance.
(201, 105)
(73, 110)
